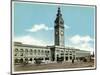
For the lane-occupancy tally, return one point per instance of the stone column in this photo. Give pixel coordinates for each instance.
(32, 60)
(55, 57)
(44, 58)
(64, 55)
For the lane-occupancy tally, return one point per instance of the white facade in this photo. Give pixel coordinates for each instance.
(48, 54)
(28, 52)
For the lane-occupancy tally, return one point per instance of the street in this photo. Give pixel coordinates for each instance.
(66, 65)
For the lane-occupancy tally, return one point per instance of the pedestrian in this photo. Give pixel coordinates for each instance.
(72, 60)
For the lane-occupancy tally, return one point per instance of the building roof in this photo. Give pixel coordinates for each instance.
(47, 47)
(28, 45)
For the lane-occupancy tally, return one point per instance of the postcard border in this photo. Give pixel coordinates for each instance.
(61, 4)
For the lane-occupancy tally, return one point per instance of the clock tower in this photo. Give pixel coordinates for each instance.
(59, 29)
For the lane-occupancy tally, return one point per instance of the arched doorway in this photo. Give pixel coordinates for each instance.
(66, 58)
(21, 60)
(31, 59)
(26, 60)
(16, 61)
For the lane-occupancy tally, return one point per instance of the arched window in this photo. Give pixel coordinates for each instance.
(21, 50)
(66, 51)
(16, 60)
(42, 52)
(31, 51)
(16, 49)
(26, 50)
(15, 54)
(35, 51)
(38, 52)
(62, 51)
(66, 58)
(21, 54)
(70, 52)
(21, 60)
(45, 52)
(26, 59)
(73, 51)
(30, 59)
(70, 57)
(48, 52)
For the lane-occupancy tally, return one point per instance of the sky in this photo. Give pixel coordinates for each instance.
(33, 23)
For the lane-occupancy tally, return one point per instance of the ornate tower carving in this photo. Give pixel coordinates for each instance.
(59, 29)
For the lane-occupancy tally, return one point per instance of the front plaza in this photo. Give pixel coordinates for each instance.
(67, 65)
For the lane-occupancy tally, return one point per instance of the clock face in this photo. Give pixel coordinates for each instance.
(62, 32)
(61, 22)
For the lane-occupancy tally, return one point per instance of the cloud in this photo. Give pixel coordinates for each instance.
(80, 39)
(82, 42)
(30, 40)
(38, 27)
(66, 26)
(76, 41)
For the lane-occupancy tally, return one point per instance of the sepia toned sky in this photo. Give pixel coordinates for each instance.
(33, 23)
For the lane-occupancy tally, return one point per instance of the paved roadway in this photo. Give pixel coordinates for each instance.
(66, 65)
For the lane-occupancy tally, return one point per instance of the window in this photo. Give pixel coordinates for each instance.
(16, 50)
(42, 52)
(34, 51)
(21, 60)
(16, 54)
(46, 58)
(73, 51)
(66, 58)
(70, 54)
(62, 53)
(70, 57)
(38, 52)
(16, 60)
(45, 52)
(21, 54)
(26, 51)
(31, 51)
(48, 52)
(30, 59)
(66, 53)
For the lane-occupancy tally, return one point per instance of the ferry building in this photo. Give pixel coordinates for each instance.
(49, 54)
